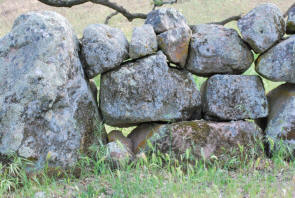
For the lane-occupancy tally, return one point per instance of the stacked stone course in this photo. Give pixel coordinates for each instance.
(48, 103)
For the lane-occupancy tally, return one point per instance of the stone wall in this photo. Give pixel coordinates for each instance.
(48, 110)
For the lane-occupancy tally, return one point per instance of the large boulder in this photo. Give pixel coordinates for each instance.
(290, 27)
(47, 108)
(262, 27)
(148, 90)
(103, 48)
(143, 42)
(280, 124)
(234, 97)
(203, 139)
(164, 19)
(215, 49)
(277, 64)
(175, 43)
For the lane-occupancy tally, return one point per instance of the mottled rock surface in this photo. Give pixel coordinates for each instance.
(277, 64)
(143, 42)
(281, 119)
(148, 90)
(175, 43)
(103, 48)
(164, 19)
(203, 138)
(215, 49)
(290, 27)
(262, 27)
(47, 108)
(234, 97)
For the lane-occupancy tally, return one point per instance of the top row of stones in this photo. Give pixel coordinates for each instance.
(204, 49)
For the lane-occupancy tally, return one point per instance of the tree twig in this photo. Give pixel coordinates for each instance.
(230, 19)
(110, 16)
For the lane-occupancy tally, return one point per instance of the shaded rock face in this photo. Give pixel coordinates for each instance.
(215, 49)
(103, 48)
(281, 119)
(203, 138)
(143, 42)
(277, 64)
(234, 97)
(175, 43)
(148, 90)
(290, 27)
(164, 19)
(47, 108)
(262, 27)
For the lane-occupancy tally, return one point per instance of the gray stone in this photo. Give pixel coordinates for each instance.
(148, 90)
(47, 108)
(215, 49)
(143, 42)
(164, 19)
(234, 97)
(203, 139)
(175, 43)
(103, 48)
(290, 27)
(262, 27)
(277, 64)
(281, 119)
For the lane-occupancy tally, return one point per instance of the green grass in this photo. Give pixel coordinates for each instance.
(157, 175)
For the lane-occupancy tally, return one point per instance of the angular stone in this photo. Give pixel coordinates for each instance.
(148, 90)
(143, 42)
(277, 64)
(203, 139)
(262, 27)
(175, 43)
(281, 119)
(103, 48)
(215, 49)
(234, 97)
(47, 108)
(290, 27)
(116, 135)
(164, 19)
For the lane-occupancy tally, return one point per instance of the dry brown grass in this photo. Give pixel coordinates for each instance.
(196, 11)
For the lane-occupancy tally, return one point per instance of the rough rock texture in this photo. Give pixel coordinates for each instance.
(277, 64)
(116, 135)
(290, 27)
(203, 138)
(93, 88)
(117, 154)
(234, 97)
(215, 49)
(103, 48)
(148, 90)
(164, 19)
(47, 108)
(281, 119)
(262, 27)
(175, 43)
(143, 42)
